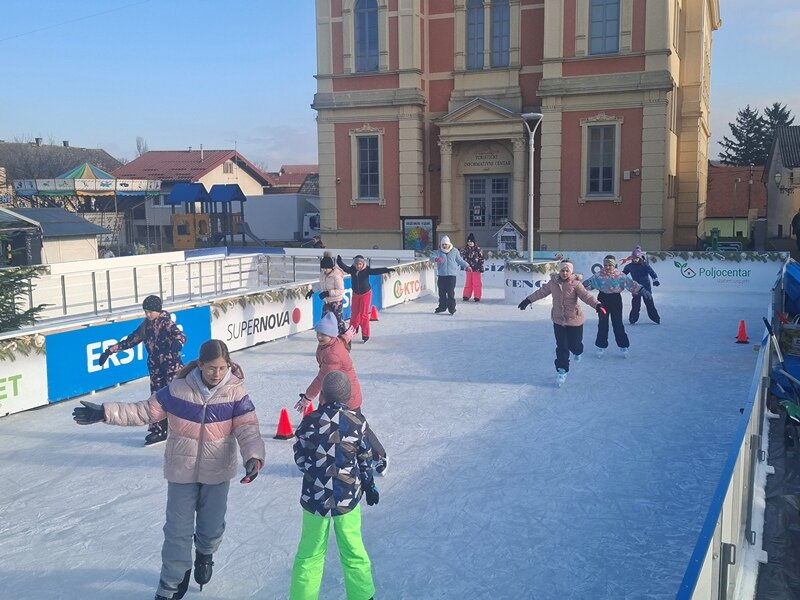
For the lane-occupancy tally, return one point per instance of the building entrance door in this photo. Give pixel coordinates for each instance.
(488, 199)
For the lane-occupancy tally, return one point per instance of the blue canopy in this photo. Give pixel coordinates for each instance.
(227, 192)
(188, 192)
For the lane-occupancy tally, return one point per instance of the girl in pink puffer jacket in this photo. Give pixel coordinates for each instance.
(209, 414)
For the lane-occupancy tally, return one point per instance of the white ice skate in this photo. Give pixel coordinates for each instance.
(561, 377)
(624, 352)
(576, 357)
(600, 352)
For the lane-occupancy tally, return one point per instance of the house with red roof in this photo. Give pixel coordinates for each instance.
(735, 198)
(152, 218)
(291, 178)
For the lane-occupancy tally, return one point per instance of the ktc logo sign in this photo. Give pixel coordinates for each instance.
(408, 288)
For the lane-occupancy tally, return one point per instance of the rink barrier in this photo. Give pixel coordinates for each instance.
(724, 561)
(58, 361)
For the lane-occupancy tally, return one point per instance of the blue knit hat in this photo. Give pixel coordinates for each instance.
(327, 325)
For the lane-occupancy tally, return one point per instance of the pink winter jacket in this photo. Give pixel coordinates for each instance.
(565, 299)
(334, 356)
(333, 283)
(202, 438)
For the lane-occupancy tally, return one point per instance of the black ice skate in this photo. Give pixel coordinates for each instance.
(202, 568)
(155, 437)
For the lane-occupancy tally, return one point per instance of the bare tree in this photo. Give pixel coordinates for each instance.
(141, 146)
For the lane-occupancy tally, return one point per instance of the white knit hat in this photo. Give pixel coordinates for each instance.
(445, 240)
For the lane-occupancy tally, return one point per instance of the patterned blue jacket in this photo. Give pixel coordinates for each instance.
(334, 455)
(611, 283)
(641, 273)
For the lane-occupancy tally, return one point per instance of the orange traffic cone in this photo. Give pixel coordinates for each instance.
(741, 337)
(373, 316)
(285, 430)
(309, 408)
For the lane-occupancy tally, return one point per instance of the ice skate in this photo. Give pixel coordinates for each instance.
(600, 352)
(155, 437)
(202, 568)
(439, 310)
(576, 357)
(624, 352)
(561, 377)
(381, 466)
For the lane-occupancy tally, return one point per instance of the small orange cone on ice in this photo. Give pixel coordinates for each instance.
(285, 430)
(373, 316)
(741, 337)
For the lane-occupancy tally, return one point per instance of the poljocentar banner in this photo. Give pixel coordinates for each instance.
(72, 368)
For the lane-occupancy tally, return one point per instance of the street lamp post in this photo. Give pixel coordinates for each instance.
(526, 118)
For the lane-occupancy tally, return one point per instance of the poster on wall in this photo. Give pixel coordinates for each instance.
(23, 383)
(72, 367)
(419, 233)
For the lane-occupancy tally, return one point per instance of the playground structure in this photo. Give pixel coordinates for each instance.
(209, 218)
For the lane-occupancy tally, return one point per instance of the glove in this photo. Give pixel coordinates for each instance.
(656, 282)
(302, 404)
(175, 347)
(524, 304)
(601, 310)
(104, 357)
(323, 295)
(88, 413)
(309, 293)
(251, 467)
(468, 268)
(371, 493)
(439, 260)
(645, 295)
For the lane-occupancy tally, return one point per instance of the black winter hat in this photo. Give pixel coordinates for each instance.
(336, 388)
(470, 238)
(326, 262)
(152, 303)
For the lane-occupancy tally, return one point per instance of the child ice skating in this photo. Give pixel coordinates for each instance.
(610, 282)
(333, 354)
(642, 272)
(566, 314)
(447, 267)
(473, 283)
(164, 342)
(209, 412)
(332, 452)
(331, 286)
(362, 292)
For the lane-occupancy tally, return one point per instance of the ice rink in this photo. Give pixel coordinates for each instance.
(500, 485)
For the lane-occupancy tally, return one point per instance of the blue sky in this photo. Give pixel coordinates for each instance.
(182, 73)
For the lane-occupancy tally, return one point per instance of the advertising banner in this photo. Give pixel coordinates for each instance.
(402, 287)
(23, 383)
(72, 367)
(244, 326)
(419, 233)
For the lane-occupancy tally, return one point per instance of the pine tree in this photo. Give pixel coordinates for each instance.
(16, 283)
(750, 139)
(776, 116)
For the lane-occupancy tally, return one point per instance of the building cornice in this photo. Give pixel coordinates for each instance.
(606, 84)
(367, 98)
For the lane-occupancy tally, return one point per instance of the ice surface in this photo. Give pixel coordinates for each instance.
(501, 485)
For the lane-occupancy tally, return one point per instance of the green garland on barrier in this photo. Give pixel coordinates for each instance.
(278, 295)
(24, 345)
(738, 257)
(415, 267)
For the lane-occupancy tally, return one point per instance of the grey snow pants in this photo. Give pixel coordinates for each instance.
(184, 500)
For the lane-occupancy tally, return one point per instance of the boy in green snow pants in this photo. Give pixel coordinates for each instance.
(334, 455)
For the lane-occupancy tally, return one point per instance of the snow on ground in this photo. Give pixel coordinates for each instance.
(500, 485)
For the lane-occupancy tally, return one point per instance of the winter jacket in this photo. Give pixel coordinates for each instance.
(474, 257)
(203, 434)
(334, 456)
(449, 263)
(333, 283)
(334, 356)
(566, 310)
(359, 280)
(641, 273)
(611, 283)
(163, 340)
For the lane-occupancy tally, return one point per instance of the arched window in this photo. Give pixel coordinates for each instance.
(366, 35)
(475, 34)
(501, 32)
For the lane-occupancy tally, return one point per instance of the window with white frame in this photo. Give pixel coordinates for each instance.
(600, 150)
(604, 26)
(366, 152)
(227, 167)
(475, 34)
(366, 36)
(501, 33)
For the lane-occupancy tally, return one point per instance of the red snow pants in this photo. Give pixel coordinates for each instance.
(359, 311)
(472, 284)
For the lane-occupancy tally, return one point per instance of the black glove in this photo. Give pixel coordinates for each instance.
(371, 493)
(323, 295)
(601, 310)
(104, 357)
(524, 304)
(309, 293)
(88, 413)
(251, 467)
(175, 347)
(656, 282)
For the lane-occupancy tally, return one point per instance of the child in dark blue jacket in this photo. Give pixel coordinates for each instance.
(641, 272)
